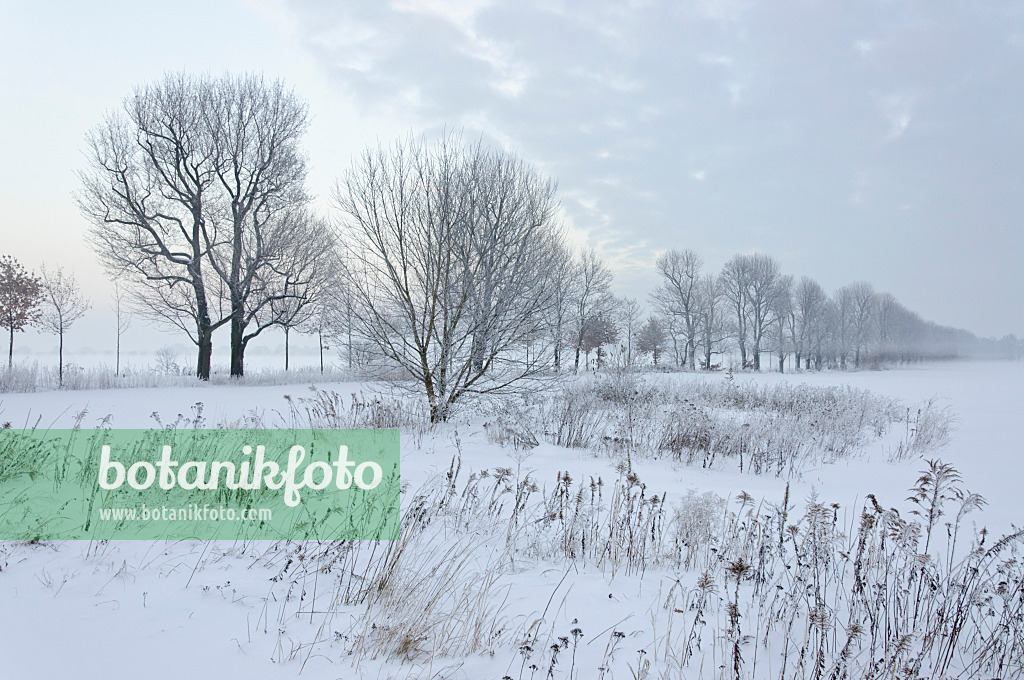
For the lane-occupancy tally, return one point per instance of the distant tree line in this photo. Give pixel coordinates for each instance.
(768, 318)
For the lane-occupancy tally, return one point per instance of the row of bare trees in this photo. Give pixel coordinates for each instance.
(445, 259)
(752, 307)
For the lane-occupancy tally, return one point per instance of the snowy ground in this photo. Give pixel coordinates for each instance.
(155, 610)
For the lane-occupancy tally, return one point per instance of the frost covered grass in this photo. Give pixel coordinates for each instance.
(779, 429)
(35, 377)
(755, 589)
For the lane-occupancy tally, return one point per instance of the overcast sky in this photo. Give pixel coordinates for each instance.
(879, 140)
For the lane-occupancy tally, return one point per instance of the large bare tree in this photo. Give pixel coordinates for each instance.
(864, 298)
(260, 168)
(148, 193)
(676, 294)
(751, 284)
(183, 188)
(451, 250)
(734, 282)
(809, 302)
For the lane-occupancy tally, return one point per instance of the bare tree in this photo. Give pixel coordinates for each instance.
(256, 128)
(20, 296)
(630, 313)
(451, 251)
(302, 271)
(784, 333)
(148, 194)
(63, 305)
(563, 285)
(677, 335)
(676, 295)
(809, 301)
(843, 323)
(888, 312)
(712, 328)
(190, 177)
(863, 298)
(593, 298)
(735, 282)
(762, 290)
(822, 335)
(122, 319)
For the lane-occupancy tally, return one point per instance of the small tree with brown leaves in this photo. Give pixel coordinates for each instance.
(652, 338)
(20, 295)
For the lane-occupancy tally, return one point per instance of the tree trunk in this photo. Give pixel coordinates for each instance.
(478, 349)
(237, 336)
(237, 349)
(348, 346)
(286, 349)
(60, 360)
(117, 354)
(238, 361)
(10, 350)
(320, 333)
(205, 355)
(204, 332)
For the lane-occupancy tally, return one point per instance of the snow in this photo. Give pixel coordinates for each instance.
(156, 610)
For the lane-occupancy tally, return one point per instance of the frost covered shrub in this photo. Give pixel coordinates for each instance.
(695, 519)
(510, 426)
(926, 429)
(779, 429)
(623, 386)
(572, 418)
(326, 409)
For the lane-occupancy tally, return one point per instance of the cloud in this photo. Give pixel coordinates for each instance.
(781, 102)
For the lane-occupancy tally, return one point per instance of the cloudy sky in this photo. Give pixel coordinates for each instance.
(879, 140)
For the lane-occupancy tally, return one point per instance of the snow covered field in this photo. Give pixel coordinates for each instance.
(489, 587)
